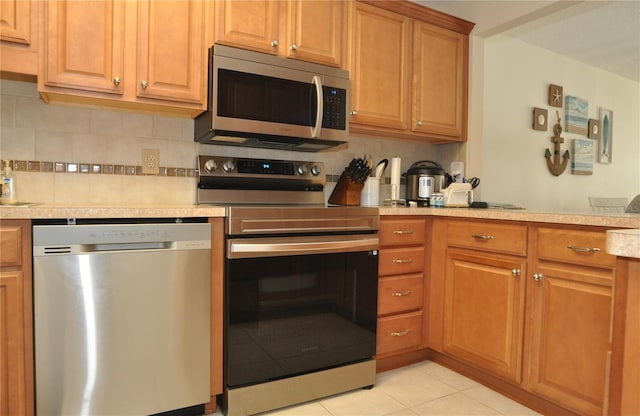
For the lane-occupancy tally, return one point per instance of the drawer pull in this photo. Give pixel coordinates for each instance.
(402, 261)
(400, 333)
(482, 237)
(584, 249)
(402, 232)
(401, 294)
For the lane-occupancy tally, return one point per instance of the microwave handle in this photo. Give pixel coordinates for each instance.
(320, 111)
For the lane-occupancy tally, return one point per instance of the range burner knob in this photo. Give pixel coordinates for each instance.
(302, 169)
(210, 166)
(315, 170)
(228, 166)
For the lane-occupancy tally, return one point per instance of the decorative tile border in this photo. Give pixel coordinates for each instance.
(94, 168)
(115, 169)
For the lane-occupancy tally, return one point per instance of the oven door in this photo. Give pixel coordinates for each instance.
(298, 305)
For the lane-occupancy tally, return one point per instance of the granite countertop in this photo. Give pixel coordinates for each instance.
(44, 211)
(624, 243)
(613, 220)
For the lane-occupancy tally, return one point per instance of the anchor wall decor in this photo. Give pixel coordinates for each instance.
(556, 167)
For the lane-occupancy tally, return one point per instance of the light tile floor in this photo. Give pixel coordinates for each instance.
(421, 389)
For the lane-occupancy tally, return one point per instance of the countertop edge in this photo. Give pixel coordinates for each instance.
(624, 243)
(46, 211)
(152, 211)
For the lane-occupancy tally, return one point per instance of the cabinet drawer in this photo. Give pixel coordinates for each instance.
(399, 294)
(394, 232)
(399, 332)
(504, 238)
(10, 246)
(585, 248)
(401, 261)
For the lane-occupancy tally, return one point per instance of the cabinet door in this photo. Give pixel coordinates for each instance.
(84, 45)
(19, 27)
(314, 31)
(440, 88)
(571, 310)
(378, 64)
(484, 310)
(15, 21)
(171, 51)
(12, 346)
(251, 24)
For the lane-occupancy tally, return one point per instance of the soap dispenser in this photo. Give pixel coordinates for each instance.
(8, 185)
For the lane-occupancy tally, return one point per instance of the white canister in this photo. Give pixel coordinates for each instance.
(370, 194)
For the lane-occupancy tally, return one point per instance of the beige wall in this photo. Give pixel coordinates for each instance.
(509, 78)
(81, 135)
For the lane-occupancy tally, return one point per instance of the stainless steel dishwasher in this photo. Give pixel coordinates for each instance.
(121, 316)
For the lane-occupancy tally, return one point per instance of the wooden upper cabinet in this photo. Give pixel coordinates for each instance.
(315, 31)
(251, 24)
(15, 21)
(440, 81)
(409, 71)
(170, 44)
(144, 54)
(84, 45)
(19, 24)
(309, 30)
(378, 63)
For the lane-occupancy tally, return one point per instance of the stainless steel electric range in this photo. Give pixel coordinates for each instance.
(301, 284)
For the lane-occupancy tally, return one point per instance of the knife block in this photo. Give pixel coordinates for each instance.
(346, 192)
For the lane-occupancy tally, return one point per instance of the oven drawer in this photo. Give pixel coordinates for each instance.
(400, 294)
(399, 332)
(401, 260)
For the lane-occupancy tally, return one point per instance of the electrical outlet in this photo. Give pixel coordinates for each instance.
(150, 161)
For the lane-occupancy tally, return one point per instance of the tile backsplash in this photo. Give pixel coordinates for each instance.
(72, 154)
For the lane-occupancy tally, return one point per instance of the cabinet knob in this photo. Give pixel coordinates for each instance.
(354, 113)
(419, 123)
(144, 85)
(294, 47)
(516, 272)
(274, 43)
(116, 81)
(538, 277)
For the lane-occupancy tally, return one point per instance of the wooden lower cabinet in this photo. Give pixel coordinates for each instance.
(484, 310)
(531, 316)
(16, 329)
(401, 334)
(570, 297)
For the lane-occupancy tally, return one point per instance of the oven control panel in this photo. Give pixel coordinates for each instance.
(225, 166)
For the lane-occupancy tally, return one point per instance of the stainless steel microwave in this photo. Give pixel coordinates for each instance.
(260, 100)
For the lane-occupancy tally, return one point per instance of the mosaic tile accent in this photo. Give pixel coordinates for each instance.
(93, 168)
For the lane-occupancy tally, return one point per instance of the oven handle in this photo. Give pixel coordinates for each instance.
(294, 246)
